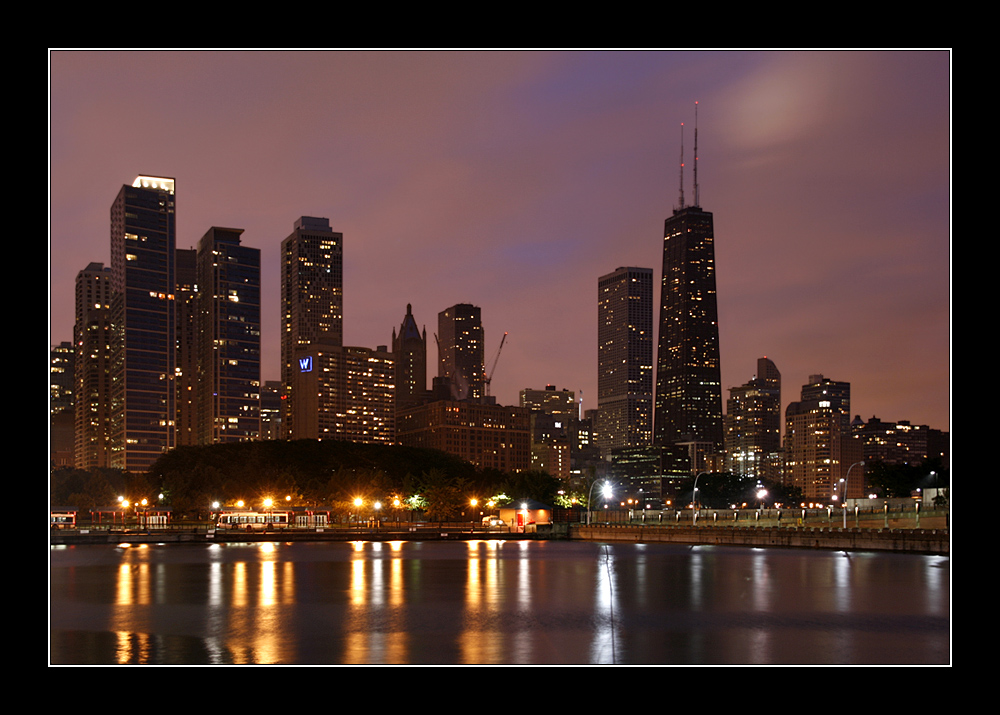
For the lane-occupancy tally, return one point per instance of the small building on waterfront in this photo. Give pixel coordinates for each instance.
(522, 513)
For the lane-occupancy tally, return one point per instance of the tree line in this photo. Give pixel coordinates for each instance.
(327, 473)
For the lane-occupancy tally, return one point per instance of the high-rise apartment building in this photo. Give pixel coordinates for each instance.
(229, 338)
(753, 424)
(312, 299)
(820, 449)
(188, 322)
(61, 404)
(92, 341)
(143, 237)
(688, 379)
(344, 393)
(61, 383)
(409, 346)
(460, 351)
(624, 359)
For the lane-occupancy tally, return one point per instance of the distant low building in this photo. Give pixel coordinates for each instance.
(488, 436)
(899, 442)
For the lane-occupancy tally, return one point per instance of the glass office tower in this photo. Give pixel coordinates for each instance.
(143, 237)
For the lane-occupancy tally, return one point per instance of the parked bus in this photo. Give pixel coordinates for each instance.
(62, 518)
(253, 520)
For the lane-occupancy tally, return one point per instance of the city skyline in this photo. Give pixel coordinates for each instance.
(513, 180)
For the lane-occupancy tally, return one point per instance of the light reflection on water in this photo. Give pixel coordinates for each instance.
(494, 602)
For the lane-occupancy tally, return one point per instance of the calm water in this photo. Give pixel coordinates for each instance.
(494, 602)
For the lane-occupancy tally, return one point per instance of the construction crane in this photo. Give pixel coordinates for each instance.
(488, 378)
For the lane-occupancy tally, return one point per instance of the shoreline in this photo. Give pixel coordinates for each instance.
(925, 541)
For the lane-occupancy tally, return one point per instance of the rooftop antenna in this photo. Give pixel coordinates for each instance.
(682, 165)
(696, 202)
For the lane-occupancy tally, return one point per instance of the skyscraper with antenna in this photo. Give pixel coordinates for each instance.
(688, 402)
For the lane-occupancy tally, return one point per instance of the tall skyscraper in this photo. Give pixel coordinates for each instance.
(819, 446)
(229, 338)
(624, 358)
(312, 298)
(688, 379)
(143, 237)
(753, 424)
(409, 346)
(92, 339)
(188, 322)
(460, 351)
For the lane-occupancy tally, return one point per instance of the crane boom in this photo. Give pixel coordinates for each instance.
(489, 377)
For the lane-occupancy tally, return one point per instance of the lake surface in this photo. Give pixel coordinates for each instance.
(494, 602)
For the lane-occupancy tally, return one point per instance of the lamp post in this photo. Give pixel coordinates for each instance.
(606, 490)
(845, 480)
(694, 502)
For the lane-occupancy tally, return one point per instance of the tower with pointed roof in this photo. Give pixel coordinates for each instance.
(409, 347)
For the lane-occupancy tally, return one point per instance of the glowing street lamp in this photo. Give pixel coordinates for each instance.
(605, 491)
(694, 499)
(844, 480)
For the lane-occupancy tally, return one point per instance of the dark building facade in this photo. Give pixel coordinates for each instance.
(625, 359)
(188, 323)
(92, 340)
(753, 424)
(899, 442)
(143, 238)
(312, 299)
(460, 351)
(688, 406)
(229, 338)
(488, 436)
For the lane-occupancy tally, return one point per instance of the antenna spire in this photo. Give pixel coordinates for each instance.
(696, 201)
(682, 165)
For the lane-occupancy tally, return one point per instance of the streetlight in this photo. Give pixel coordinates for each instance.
(606, 490)
(761, 495)
(694, 503)
(845, 479)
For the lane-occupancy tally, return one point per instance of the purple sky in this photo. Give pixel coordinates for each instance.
(513, 180)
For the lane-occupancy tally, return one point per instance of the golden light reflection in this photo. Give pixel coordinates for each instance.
(252, 628)
(480, 641)
(132, 647)
(375, 591)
